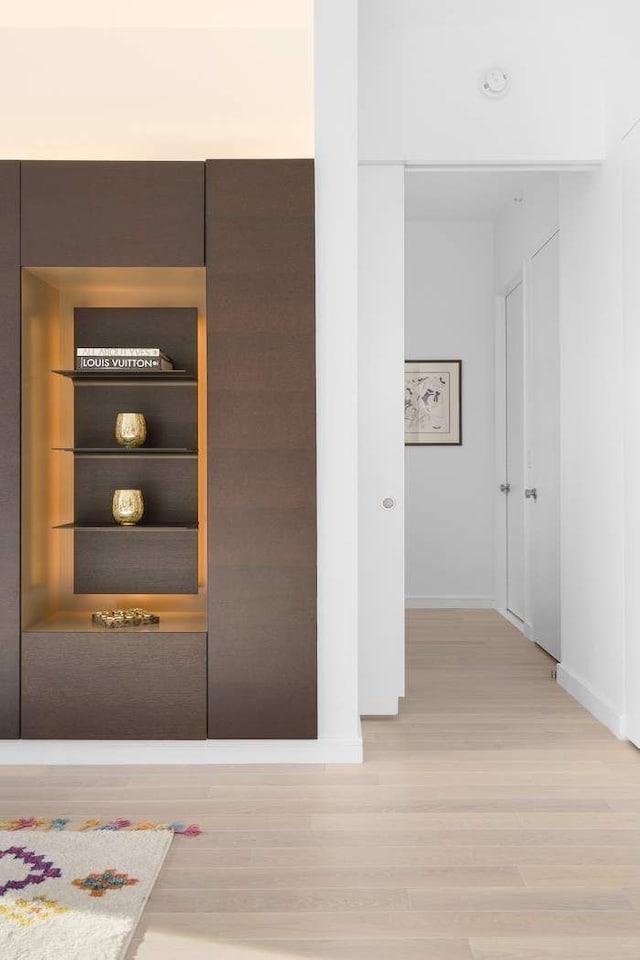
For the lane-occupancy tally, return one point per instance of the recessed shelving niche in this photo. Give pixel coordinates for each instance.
(76, 558)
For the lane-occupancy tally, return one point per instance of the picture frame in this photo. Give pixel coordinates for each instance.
(433, 402)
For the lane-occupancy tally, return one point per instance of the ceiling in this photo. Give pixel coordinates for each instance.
(246, 14)
(463, 195)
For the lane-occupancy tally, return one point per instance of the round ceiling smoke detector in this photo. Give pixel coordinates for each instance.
(495, 83)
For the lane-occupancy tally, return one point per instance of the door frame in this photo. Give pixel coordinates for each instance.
(521, 278)
(388, 193)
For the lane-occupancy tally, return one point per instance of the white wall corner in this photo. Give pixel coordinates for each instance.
(591, 700)
(336, 151)
(632, 727)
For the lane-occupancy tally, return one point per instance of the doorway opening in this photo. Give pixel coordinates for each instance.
(482, 287)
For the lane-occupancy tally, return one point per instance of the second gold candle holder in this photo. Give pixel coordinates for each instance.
(127, 507)
(131, 429)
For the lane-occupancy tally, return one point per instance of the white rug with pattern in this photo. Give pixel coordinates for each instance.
(75, 896)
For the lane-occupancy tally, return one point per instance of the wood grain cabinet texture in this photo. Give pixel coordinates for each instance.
(10, 447)
(251, 223)
(114, 686)
(112, 214)
(262, 466)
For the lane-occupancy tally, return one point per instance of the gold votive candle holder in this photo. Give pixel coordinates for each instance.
(127, 507)
(131, 429)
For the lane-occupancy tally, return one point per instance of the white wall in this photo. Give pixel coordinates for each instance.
(450, 491)
(600, 456)
(622, 68)
(381, 436)
(240, 89)
(524, 224)
(586, 207)
(592, 442)
(574, 93)
(420, 66)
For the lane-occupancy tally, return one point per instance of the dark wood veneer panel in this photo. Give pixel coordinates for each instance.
(120, 686)
(109, 214)
(269, 710)
(10, 447)
(135, 560)
(267, 419)
(264, 478)
(255, 596)
(279, 245)
(256, 361)
(278, 536)
(279, 189)
(240, 301)
(261, 361)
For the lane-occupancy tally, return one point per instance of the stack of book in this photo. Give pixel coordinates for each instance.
(122, 359)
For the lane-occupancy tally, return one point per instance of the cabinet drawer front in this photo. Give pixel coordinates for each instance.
(114, 686)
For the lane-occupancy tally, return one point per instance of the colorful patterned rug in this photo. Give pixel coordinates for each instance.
(62, 823)
(67, 895)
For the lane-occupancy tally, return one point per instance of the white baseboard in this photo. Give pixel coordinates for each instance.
(632, 728)
(380, 708)
(525, 628)
(70, 752)
(584, 693)
(450, 603)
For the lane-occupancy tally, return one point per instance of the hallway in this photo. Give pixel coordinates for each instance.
(493, 820)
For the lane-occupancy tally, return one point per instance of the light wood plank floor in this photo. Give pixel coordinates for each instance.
(492, 820)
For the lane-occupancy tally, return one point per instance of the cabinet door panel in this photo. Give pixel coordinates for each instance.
(114, 686)
(112, 214)
(262, 496)
(10, 446)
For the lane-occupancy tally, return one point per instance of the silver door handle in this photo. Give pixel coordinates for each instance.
(531, 493)
(505, 487)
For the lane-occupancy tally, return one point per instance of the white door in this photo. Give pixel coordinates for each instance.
(543, 454)
(514, 340)
(381, 438)
(631, 280)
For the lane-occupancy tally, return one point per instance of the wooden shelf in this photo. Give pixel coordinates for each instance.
(80, 622)
(108, 527)
(128, 452)
(113, 376)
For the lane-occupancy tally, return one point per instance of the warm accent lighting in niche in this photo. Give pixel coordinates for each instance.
(50, 295)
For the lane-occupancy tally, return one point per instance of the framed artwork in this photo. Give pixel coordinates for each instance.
(433, 402)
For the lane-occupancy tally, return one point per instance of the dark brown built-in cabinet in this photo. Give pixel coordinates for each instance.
(9, 449)
(214, 263)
